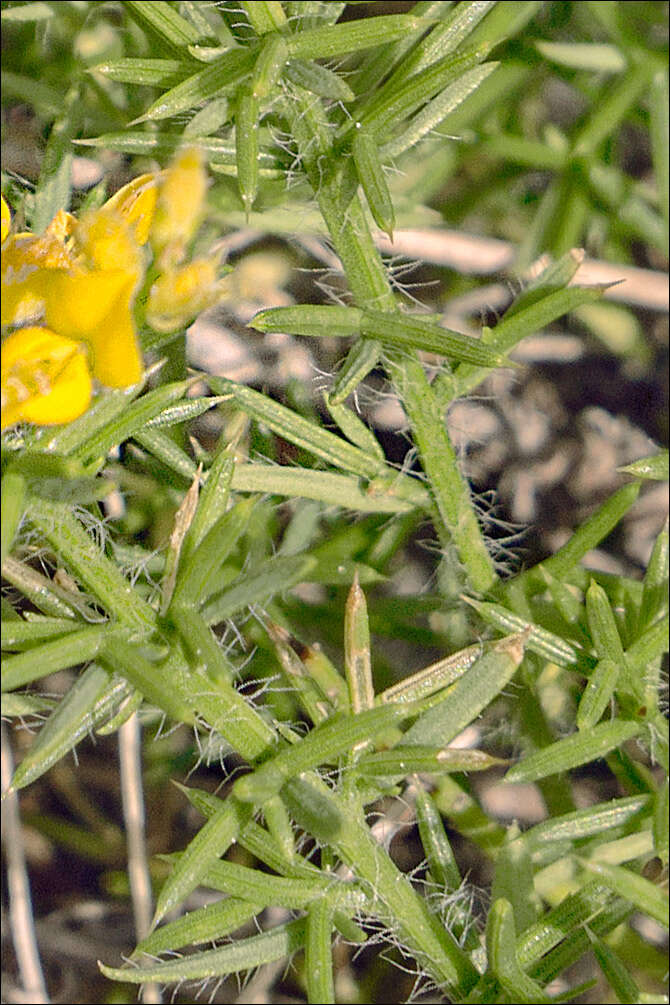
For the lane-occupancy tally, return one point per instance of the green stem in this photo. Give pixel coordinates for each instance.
(453, 513)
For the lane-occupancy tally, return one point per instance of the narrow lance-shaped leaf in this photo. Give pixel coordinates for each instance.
(275, 576)
(405, 332)
(387, 109)
(310, 319)
(654, 467)
(244, 954)
(355, 430)
(318, 79)
(214, 921)
(370, 173)
(295, 428)
(132, 420)
(89, 700)
(357, 650)
(213, 501)
(598, 693)
(217, 80)
(615, 971)
(269, 66)
(149, 72)
(58, 654)
(352, 36)
(265, 15)
(196, 579)
(81, 556)
(437, 109)
(13, 495)
(641, 892)
(330, 740)
(587, 536)
(655, 592)
(246, 147)
(163, 21)
(573, 751)
(434, 678)
(318, 953)
(502, 958)
(211, 841)
(470, 694)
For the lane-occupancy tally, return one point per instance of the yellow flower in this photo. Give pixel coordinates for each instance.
(75, 286)
(179, 294)
(80, 279)
(179, 208)
(45, 378)
(6, 218)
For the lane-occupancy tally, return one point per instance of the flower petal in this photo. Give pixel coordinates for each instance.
(45, 378)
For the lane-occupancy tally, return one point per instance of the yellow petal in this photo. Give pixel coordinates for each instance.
(96, 307)
(179, 294)
(107, 242)
(136, 202)
(6, 219)
(45, 378)
(181, 203)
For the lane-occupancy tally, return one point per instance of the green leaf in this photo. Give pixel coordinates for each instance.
(470, 695)
(597, 57)
(81, 556)
(211, 841)
(133, 419)
(508, 332)
(330, 488)
(318, 953)
(548, 645)
(162, 21)
(502, 958)
(196, 579)
(654, 467)
(148, 72)
(436, 677)
(587, 536)
(432, 114)
(88, 702)
(13, 496)
(573, 751)
(352, 36)
(298, 430)
(615, 971)
(244, 954)
(214, 921)
(370, 171)
(55, 182)
(19, 634)
(386, 110)
(598, 693)
(405, 760)
(216, 80)
(641, 892)
(58, 654)
(246, 147)
(318, 79)
(324, 744)
(405, 331)
(309, 319)
(597, 819)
